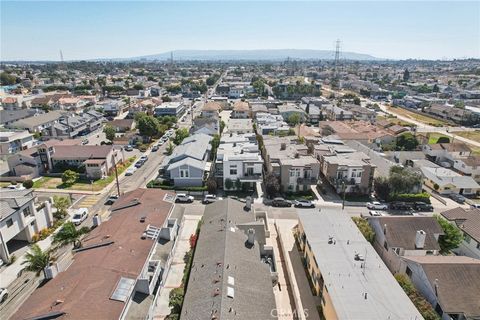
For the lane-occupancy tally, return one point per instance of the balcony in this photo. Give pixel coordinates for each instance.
(307, 181)
(347, 181)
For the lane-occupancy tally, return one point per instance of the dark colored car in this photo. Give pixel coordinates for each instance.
(139, 164)
(458, 198)
(155, 148)
(280, 202)
(422, 206)
(400, 206)
(111, 200)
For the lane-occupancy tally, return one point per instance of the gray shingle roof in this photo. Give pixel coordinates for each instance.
(221, 253)
(12, 200)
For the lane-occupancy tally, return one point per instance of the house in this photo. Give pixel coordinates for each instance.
(122, 125)
(234, 270)
(312, 112)
(446, 181)
(113, 108)
(119, 267)
(223, 89)
(360, 113)
(189, 162)
(20, 220)
(238, 160)
(336, 113)
(15, 141)
(348, 172)
(397, 237)
(55, 156)
(449, 283)
(9, 116)
(469, 223)
(241, 110)
(37, 123)
(74, 125)
(71, 103)
(210, 126)
(173, 108)
(349, 277)
(290, 162)
(468, 166)
(236, 91)
(446, 152)
(239, 126)
(211, 109)
(11, 103)
(270, 123)
(41, 102)
(288, 109)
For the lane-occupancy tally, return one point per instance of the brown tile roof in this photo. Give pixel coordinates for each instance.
(86, 286)
(451, 147)
(212, 106)
(121, 123)
(473, 161)
(457, 280)
(401, 231)
(467, 220)
(9, 100)
(241, 106)
(396, 129)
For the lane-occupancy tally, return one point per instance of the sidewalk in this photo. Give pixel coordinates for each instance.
(175, 274)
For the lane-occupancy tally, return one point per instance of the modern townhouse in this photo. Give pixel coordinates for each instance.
(290, 162)
(189, 163)
(468, 221)
(288, 109)
(15, 141)
(174, 108)
(113, 108)
(349, 278)
(335, 113)
(349, 173)
(270, 123)
(398, 237)
(74, 125)
(238, 161)
(20, 220)
(233, 268)
(123, 262)
(449, 283)
(38, 123)
(360, 113)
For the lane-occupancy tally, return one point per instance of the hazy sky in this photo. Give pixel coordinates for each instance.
(114, 29)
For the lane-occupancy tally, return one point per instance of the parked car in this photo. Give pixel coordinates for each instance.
(144, 158)
(84, 141)
(280, 202)
(182, 197)
(422, 206)
(302, 203)
(475, 206)
(374, 213)
(400, 206)
(139, 164)
(3, 295)
(161, 142)
(377, 205)
(129, 148)
(209, 198)
(130, 171)
(15, 187)
(458, 198)
(80, 216)
(155, 148)
(111, 200)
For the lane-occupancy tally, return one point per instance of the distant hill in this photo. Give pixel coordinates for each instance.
(273, 54)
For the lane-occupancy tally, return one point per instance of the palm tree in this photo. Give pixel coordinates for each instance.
(68, 234)
(37, 259)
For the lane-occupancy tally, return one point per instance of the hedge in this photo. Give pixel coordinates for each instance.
(411, 197)
(159, 185)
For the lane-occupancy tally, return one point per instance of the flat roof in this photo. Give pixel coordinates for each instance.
(346, 280)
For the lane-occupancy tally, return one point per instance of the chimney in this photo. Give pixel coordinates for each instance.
(251, 237)
(248, 204)
(420, 239)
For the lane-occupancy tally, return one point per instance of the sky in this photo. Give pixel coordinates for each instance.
(38, 30)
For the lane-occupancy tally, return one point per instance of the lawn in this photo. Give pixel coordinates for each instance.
(418, 117)
(434, 137)
(84, 185)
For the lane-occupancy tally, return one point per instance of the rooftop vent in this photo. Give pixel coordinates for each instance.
(230, 292)
(231, 280)
(420, 237)
(358, 257)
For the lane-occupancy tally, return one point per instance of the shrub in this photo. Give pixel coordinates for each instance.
(28, 184)
(411, 197)
(423, 306)
(365, 228)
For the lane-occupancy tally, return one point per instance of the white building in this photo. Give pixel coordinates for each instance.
(15, 141)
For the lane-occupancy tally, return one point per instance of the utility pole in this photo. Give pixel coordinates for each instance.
(336, 62)
(116, 174)
(343, 189)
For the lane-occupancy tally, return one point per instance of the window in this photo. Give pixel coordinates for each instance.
(27, 212)
(184, 173)
(478, 246)
(233, 171)
(9, 223)
(467, 238)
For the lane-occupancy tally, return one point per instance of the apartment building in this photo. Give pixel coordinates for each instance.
(15, 141)
(233, 269)
(174, 109)
(348, 276)
(398, 237)
(349, 172)
(20, 220)
(122, 262)
(211, 109)
(290, 162)
(241, 110)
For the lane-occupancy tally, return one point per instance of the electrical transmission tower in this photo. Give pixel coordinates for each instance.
(336, 62)
(61, 59)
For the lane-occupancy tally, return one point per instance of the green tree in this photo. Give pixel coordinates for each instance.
(109, 132)
(238, 184)
(228, 184)
(406, 75)
(170, 148)
(443, 139)
(356, 101)
(365, 228)
(272, 185)
(212, 185)
(69, 177)
(7, 79)
(68, 234)
(222, 125)
(294, 119)
(148, 126)
(37, 260)
(61, 204)
(382, 187)
(176, 300)
(28, 184)
(436, 88)
(423, 306)
(404, 180)
(406, 142)
(452, 237)
(180, 134)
